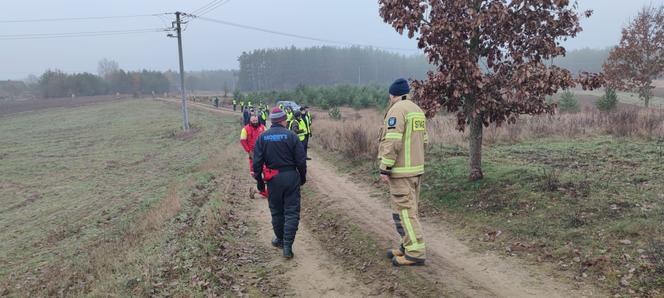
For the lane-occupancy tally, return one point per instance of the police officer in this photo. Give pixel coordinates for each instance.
(280, 149)
(401, 154)
(234, 104)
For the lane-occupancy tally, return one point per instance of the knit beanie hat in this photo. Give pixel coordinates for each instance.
(399, 88)
(277, 115)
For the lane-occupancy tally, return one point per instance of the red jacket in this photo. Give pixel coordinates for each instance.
(249, 135)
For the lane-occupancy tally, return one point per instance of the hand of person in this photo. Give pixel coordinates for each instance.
(260, 185)
(384, 178)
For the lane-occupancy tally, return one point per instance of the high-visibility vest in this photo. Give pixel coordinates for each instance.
(302, 133)
(264, 115)
(242, 103)
(307, 119)
(249, 103)
(234, 102)
(289, 116)
(303, 126)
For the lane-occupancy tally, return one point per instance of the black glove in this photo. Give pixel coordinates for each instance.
(260, 185)
(303, 180)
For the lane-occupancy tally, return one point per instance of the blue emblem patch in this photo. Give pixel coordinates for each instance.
(392, 121)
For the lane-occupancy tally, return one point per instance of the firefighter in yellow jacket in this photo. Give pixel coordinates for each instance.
(401, 155)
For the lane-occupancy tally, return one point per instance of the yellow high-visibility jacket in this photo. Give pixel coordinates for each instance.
(402, 139)
(298, 127)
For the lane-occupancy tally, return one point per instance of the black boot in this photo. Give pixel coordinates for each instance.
(278, 243)
(288, 251)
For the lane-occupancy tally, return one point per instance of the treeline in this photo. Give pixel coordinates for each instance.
(55, 83)
(583, 60)
(328, 96)
(206, 80)
(287, 68)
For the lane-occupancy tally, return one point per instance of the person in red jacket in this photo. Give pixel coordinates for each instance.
(248, 136)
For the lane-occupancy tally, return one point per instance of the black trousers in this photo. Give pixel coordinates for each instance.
(284, 201)
(306, 145)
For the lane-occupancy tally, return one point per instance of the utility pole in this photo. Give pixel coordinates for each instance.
(178, 29)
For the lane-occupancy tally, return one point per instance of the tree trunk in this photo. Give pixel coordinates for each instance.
(476, 128)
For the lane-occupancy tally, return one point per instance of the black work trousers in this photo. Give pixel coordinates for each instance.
(284, 201)
(306, 145)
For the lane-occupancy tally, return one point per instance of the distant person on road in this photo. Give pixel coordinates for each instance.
(307, 122)
(281, 151)
(246, 114)
(216, 102)
(234, 104)
(289, 114)
(297, 126)
(401, 154)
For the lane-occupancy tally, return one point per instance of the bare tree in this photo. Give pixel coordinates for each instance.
(106, 67)
(639, 58)
(490, 58)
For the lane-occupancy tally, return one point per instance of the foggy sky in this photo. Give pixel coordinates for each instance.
(215, 46)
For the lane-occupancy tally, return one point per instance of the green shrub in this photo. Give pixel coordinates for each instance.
(568, 103)
(331, 96)
(608, 102)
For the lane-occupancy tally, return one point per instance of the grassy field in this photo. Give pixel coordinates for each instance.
(111, 200)
(584, 202)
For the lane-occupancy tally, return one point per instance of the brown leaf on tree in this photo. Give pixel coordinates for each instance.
(639, 57)
(491, 57)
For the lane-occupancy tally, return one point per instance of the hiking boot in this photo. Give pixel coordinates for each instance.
(391, 253)
(288, 252)
(402, 261)
(278, 243)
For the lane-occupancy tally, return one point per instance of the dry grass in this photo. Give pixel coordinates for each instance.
(356, 135)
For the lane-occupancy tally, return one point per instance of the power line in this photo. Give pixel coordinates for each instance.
(298, 35)
(206, 6)
(78, 34)
(213, 8)
(82, 18)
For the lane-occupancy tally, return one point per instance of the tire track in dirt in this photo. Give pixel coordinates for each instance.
(450, 262)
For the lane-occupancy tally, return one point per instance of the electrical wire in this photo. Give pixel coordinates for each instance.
(77, 34)
(212, 8)
(81, 18)
(298, 35)
(206, 6)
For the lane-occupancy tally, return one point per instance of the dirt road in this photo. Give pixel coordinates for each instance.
(312, 273)
(450, 262)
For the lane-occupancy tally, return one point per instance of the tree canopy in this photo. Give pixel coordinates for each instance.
(490, 58)
(639, 58)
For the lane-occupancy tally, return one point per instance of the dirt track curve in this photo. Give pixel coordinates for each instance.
(450, 262)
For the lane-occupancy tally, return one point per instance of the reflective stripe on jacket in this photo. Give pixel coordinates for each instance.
(299, 128)
(404, 133)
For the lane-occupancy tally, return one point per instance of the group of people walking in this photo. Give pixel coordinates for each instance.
(278, 163)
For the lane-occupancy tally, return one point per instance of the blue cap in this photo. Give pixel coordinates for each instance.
(399, 87)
